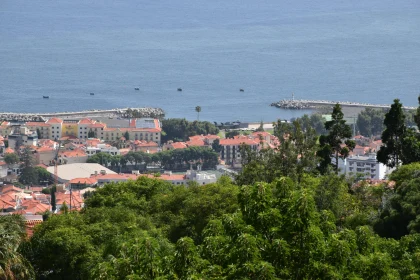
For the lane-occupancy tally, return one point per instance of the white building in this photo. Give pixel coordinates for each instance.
(3, 169)
(202, 178)
(365, 166)
(102, 148)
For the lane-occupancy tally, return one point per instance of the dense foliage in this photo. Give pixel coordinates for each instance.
(317, 228)
(181, 129)
(314, 121)
(12, 264)
(401, 143)
(370, 122)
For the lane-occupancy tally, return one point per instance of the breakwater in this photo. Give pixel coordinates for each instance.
(316, 104)
(122, 113)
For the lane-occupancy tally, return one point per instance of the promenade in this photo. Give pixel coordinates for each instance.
(111, 113)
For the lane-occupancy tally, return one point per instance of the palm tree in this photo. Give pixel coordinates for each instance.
(198, 110)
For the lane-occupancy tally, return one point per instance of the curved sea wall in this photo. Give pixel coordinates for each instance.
(123, 113)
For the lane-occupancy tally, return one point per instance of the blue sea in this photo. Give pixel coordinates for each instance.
(358, 50)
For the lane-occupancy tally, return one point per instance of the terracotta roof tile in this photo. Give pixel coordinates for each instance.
(55, 120)
(84, 181)
(37, 124)
(86, 121)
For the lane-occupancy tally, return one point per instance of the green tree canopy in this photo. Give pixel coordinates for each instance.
(11, 158)
(337, 142)
(391, 152)
(181, 129)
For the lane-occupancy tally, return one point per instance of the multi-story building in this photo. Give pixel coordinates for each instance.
(22, 136)
(42, 128)
(144, 129)
(230, 152)
(56, 128)
(366, 167)
(140, 129)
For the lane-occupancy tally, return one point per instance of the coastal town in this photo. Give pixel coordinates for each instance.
(126, 149)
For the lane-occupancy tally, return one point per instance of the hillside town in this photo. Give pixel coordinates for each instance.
(67, 149)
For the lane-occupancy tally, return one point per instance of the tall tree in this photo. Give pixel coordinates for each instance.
(261, 127)
(127, 135)
(417, 115)
(53, 199)
(216, 146)
(29, 174)
(391, 152)
(370, 122)
(332, 144)
(198, 110)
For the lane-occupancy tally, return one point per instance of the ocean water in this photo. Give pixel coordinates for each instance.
(363, 51)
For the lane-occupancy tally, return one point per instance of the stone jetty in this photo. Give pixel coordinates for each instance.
(122, 113)
(300, 104)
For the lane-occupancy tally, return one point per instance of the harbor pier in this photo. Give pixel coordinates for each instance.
(318, 104)
(111, 113)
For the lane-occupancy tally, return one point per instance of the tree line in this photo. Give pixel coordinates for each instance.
(179, 130)
(175, 159)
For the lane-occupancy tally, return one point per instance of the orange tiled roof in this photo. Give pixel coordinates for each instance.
(6, 203)
(37, 124)
(44, 149)
(97, 125)
(34, 206)
(9, 151)
(86, 121)
(74, 153)
(144, 143)
(2, 163)
(237, 141)
(84, 181)
(195, 142)
(76, 199)
(179, 145)
(55, 120)
(92, 142)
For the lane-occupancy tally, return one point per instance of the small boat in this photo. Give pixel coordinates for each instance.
(136, 88)
(92, 93)
(241, 90)
(179, 89)
(45, 96)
